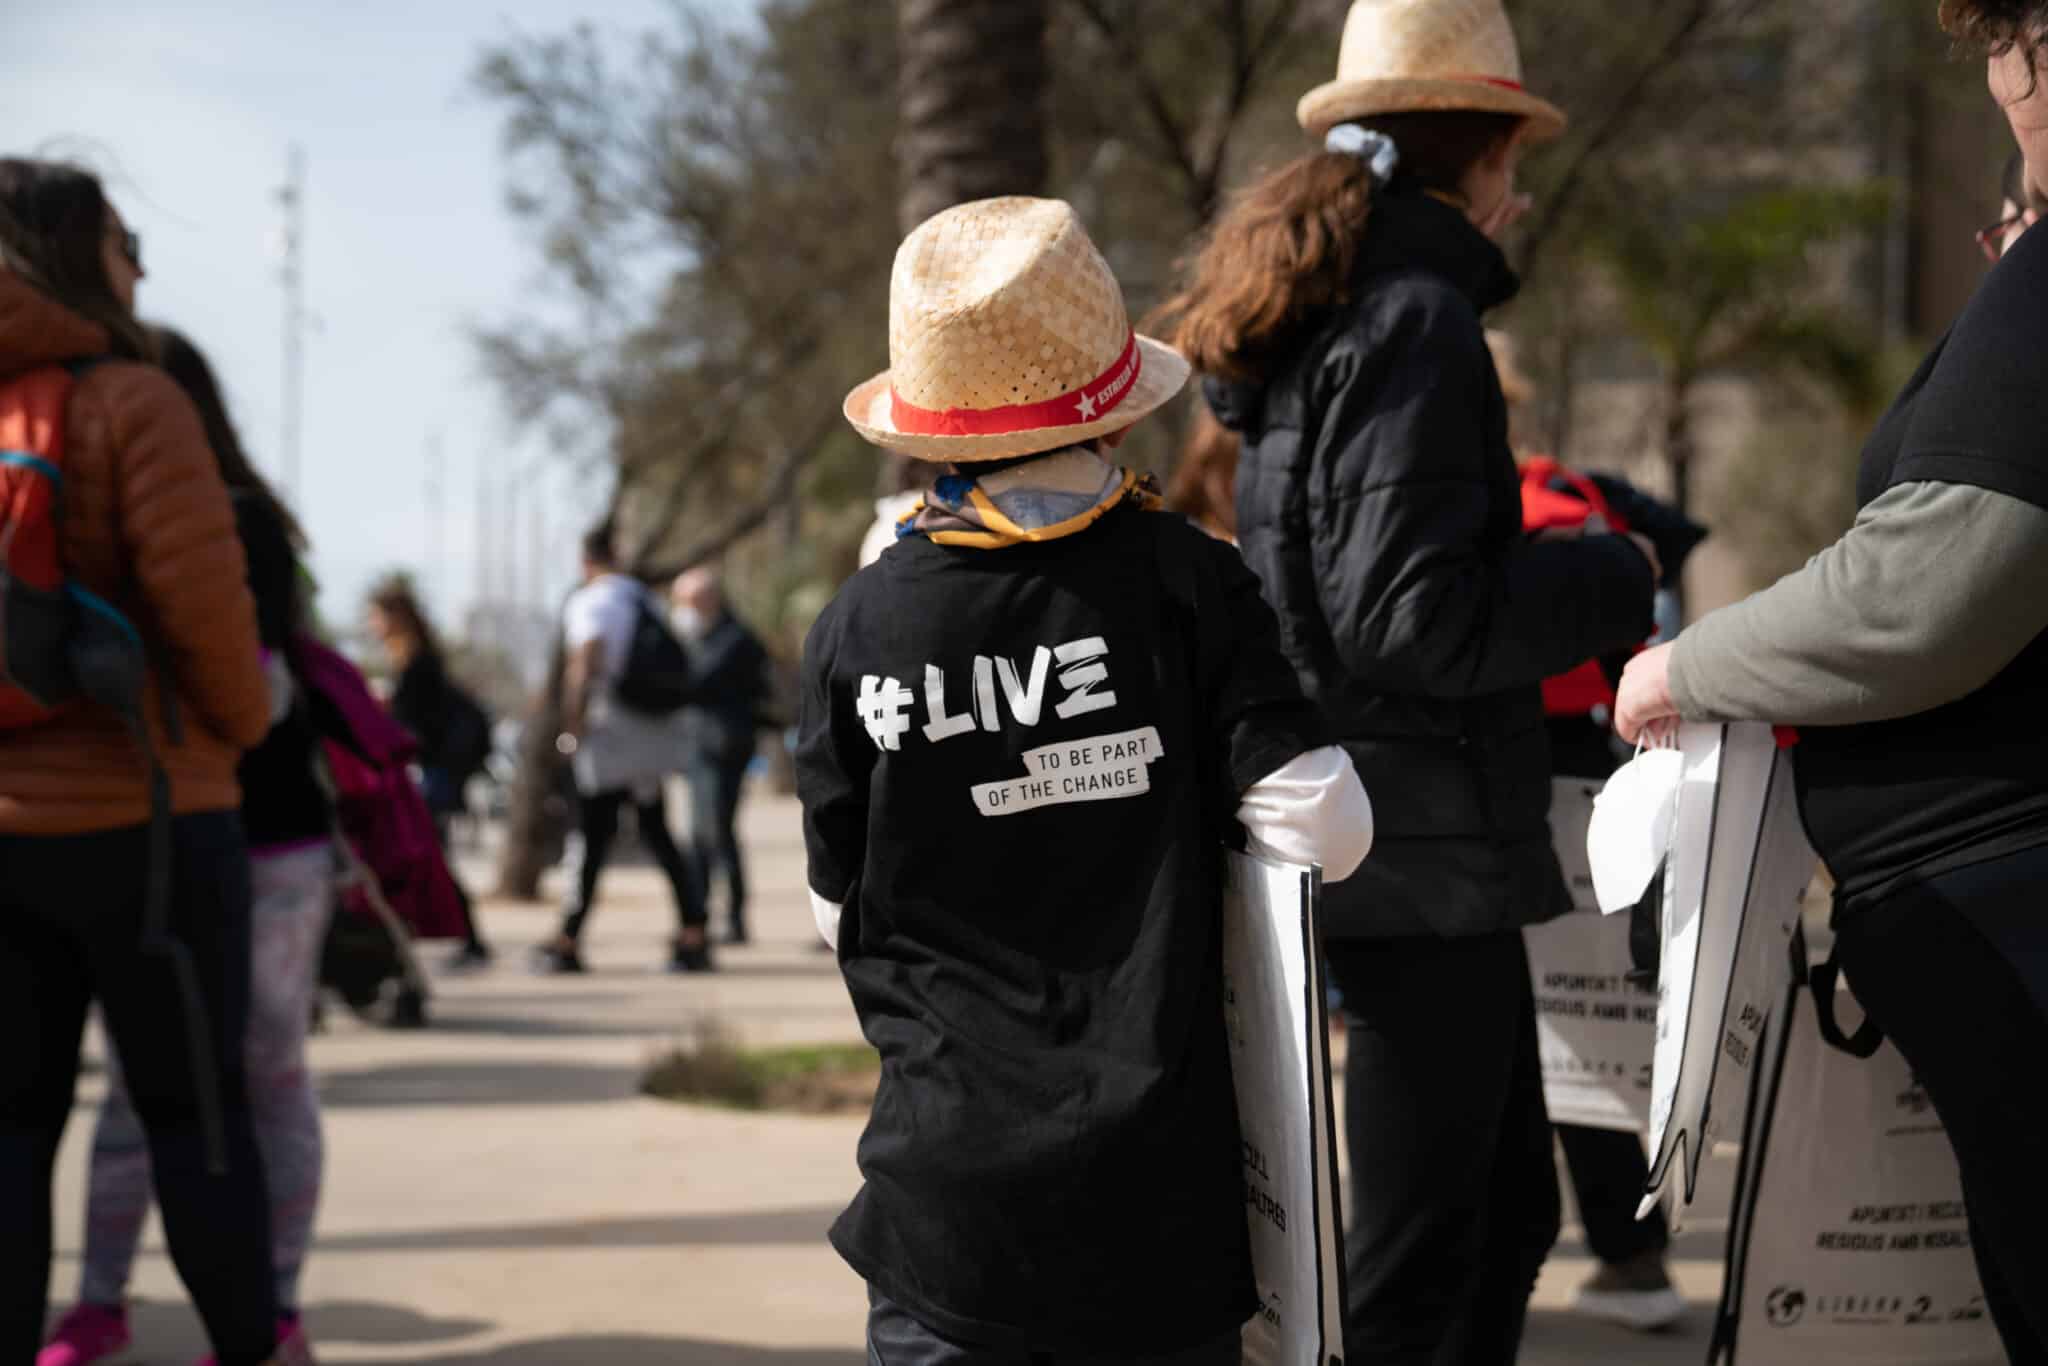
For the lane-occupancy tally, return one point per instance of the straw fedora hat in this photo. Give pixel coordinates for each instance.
(1008, 336)
(1417, 56)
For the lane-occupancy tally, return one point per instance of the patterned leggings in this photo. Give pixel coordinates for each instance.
(294, 895)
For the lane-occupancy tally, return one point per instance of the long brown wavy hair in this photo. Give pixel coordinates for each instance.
(1285, 252)
(53, 219)
(1204, 484)
(184, 362)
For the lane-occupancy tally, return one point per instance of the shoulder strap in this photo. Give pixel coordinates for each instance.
(1865, 1042)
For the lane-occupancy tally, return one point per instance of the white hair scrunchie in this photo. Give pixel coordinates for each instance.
(1369, 145)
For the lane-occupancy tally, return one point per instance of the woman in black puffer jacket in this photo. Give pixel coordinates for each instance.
(1336, 312)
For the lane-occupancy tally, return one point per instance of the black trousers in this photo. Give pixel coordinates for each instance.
(470, 936)
(70, 933)
(1454, 1199)
(599, 818)
(717, 779)
(897, 1339)
(1951, 970)
(1609, 1171)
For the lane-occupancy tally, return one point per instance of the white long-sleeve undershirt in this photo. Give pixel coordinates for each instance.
(1311, 810)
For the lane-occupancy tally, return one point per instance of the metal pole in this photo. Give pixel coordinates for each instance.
(514, 587)
(292, 197)
(437, 528)
(537, 572)
(483, 538)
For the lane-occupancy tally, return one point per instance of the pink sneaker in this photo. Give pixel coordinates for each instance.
(293, 1348)
(91, 1332)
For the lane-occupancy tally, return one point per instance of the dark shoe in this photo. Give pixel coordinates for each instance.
(471, 957)
(557, 960)
(409, 1010)
(736, 936)
(1636, 1294)
(689, 958)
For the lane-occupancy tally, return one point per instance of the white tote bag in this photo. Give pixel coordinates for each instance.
(1849, 1245)
(1734, 885)
(1277, 1010)
(1595, 1031)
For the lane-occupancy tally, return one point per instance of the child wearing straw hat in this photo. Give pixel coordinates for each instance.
(1335, 312)
(1027, 731)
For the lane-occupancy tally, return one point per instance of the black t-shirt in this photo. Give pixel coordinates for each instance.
(1900, 800)
(1018, 770)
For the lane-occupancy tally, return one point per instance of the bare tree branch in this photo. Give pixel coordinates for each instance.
(1149, 95)
(1611, 125)
(781, 485)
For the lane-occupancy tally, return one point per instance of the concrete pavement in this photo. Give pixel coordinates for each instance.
(498, 1195)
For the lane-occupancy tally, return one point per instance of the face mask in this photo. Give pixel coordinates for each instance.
(1631, 828)
(691, 623)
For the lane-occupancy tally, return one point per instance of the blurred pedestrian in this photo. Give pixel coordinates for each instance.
(1336, 312)
(1913, 657)
(1609, 1170)
(119, 887)
(453, 731)
(1026, 732)
(288, 822)
(620, 758)
(729, 672)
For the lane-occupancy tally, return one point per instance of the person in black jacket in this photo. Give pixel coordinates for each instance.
(729, 669)
(1336, 313)
(453, 732)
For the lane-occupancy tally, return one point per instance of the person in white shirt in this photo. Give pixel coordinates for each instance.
(620, 758)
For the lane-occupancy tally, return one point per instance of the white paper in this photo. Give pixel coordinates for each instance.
(1739, 864)
(1631, 827)
(1594, 1030)
(1852, 1245)
(1279, 1036)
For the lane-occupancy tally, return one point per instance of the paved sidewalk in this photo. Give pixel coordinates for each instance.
(498, 1194)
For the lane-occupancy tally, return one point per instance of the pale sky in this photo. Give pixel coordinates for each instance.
(187, 108)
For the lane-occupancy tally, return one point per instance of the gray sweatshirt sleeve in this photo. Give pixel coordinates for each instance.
(1927, 598)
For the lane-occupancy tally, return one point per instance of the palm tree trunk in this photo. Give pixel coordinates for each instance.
(535, 823)
(1678, 454)
(973, 102)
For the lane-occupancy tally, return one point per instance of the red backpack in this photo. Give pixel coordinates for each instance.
(59, 644)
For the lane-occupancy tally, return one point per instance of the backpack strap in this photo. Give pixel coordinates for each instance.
(1822, 978)
(159, 942)
(78, 367)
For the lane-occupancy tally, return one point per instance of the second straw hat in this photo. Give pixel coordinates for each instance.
(1008, 336)
(1420, 56)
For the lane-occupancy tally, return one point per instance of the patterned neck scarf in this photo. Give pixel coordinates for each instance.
(1041, 498)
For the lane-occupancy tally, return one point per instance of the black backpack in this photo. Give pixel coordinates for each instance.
(465, 736)
(657, 679)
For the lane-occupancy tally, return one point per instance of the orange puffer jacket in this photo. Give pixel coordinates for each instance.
(146, 525)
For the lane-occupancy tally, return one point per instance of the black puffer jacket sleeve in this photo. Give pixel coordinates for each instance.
(1421, 592)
